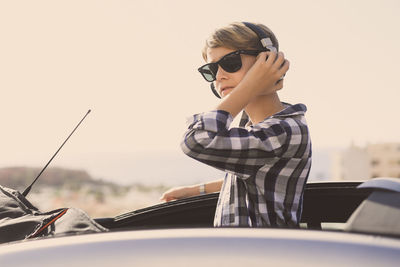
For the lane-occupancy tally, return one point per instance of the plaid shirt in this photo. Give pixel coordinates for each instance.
(267, 165)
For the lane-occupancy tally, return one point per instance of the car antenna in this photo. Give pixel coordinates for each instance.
(25, 193)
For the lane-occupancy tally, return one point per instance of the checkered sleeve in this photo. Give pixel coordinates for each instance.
(236, 150)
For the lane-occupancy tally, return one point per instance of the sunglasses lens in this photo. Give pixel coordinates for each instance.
(209, 71)
(231, 63)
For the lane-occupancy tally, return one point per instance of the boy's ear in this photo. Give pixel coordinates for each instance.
(214, 90)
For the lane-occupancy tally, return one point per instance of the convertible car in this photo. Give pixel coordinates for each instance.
(343, 224)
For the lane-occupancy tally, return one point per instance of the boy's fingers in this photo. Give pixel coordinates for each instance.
(279, 85)
(280, 60)
(262, 56)
(271, 56)
(284, 68)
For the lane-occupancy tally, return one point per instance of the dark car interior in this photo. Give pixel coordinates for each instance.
(323, 203)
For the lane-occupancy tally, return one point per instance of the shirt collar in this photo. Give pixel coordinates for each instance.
(288, 111)
(291, 110)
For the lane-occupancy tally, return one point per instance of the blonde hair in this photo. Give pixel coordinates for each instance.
(238, 36)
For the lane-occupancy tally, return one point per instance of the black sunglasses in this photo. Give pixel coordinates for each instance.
(231, 62)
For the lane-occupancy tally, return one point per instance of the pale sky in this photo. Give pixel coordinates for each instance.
(134, 64)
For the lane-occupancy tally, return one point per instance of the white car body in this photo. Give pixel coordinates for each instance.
(206, 247)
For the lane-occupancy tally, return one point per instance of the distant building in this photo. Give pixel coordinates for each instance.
(371, 161)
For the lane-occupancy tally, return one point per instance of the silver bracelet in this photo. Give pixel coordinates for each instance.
(202, 189)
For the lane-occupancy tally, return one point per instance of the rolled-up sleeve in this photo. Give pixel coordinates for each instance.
(237, 150)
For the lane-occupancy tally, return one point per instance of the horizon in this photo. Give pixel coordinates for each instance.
(174, 168)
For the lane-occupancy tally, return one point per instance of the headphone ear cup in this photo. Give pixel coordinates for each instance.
(214, 90)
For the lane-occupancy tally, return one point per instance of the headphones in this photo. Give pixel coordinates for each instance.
(265, 42)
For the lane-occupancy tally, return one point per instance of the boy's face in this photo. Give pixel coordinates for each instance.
(225, 81)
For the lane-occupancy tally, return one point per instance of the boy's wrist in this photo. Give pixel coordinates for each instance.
(202, 189)
(194, 190)
(237, 100)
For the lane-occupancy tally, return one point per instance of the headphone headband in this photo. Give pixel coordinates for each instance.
(264, 39)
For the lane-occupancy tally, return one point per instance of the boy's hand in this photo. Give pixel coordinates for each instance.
(189, 191)
(178, 193)
(265, 76)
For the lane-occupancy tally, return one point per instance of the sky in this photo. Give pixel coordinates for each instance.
(134, 64)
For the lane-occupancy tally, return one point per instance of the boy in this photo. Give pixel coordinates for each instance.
(267, 162)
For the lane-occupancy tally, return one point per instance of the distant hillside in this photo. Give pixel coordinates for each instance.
(59, 187)
(21, 177)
